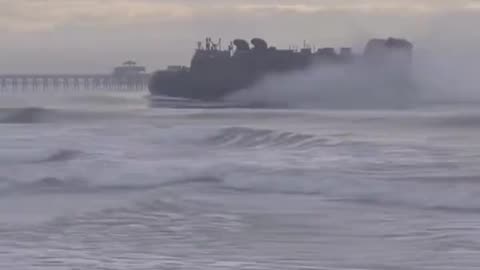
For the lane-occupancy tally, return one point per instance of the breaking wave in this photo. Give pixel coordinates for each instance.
(252, 137)
(184, 103)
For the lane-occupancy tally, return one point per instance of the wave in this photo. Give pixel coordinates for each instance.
(51, 184)
(32, 157)
(201, 179)
(48, 184)
(363, 193)
(438, 179)
(38, 115)
(61, 155)
(252, 137)
(106, 99)
(412, 205)
(460, 121)
(184, 103)
(328, 186)
(24, 115)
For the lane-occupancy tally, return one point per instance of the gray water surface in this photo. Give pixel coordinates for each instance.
(90, 181)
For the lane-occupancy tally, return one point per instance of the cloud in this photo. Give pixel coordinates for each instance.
(42, 15)
(49, 15)
(370, 6)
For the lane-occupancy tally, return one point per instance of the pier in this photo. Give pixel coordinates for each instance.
(129, 76)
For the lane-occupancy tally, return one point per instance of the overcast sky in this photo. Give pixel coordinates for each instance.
(95, 35)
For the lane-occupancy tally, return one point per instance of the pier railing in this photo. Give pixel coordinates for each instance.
(39, 82)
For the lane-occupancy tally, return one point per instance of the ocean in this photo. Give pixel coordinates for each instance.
(108, 181)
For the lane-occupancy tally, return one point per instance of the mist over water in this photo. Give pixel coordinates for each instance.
(441, 76)
(449, 76)
(326, 86)
(444, 71)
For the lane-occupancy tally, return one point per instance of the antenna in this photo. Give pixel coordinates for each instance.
(207, 44)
